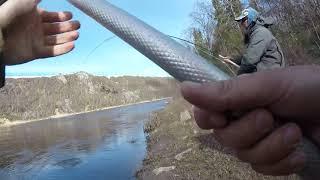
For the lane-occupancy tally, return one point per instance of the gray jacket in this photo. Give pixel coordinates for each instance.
(263, 51)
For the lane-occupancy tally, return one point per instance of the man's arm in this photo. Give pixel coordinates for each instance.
(258, 44)
(255, 50)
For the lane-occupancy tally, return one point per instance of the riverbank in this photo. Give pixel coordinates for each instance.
(6, 123)
(178, 149)
(26, 99)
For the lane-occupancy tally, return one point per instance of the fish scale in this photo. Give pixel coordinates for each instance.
(178, 61)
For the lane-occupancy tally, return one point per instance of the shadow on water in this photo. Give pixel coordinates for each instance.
(108, 144)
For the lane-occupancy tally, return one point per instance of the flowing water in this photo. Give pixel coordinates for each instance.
(108, 144)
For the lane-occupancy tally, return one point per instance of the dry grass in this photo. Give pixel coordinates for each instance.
(169, 136)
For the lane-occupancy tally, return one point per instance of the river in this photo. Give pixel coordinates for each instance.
(107, 144)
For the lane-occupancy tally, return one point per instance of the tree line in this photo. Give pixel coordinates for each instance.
(296, 26)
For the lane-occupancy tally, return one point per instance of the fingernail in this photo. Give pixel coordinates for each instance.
(298, 161)
(291, 137)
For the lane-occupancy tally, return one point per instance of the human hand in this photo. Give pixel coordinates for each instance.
(290, 96)
(35, 33)
(228, 60)
(225, 58)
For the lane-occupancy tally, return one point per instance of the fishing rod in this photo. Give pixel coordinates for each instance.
(205, 50)
(201, 48)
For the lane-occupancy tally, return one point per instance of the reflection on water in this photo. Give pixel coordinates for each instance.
(108, 144)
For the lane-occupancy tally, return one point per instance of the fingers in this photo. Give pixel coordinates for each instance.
(273, 148)
(60, 33)
(61, 38)
(246, 131)
(14, 8)
(249, 136)
(280, 90)
(52, 17)
(57, 50)
(206, 120)
(293, 163)
(242, 93)
(58, 28)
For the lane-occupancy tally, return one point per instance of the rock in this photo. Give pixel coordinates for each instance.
(69, 163)
(63, 107)
(185, 116)
(91, 88)
(133, 141)
(131, 97)
(63, 79)
(4, 120)
(87, 108)
(180, 156)
(163, 169)
(56, 112)
(85, 79)
(68, 104)
(83, 76)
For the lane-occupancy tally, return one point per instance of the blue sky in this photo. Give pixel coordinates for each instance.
(114, 57)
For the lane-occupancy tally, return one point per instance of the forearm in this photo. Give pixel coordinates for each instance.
(244, 68)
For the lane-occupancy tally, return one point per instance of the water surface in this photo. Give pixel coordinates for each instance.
(108, 144)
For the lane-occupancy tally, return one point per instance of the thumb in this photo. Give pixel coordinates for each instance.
(14, 8)
(243, 93)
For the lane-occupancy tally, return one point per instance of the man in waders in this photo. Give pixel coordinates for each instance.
(262, 51)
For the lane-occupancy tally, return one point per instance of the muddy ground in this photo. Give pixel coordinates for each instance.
(178, 149)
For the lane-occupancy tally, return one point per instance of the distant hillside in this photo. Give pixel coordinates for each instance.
(33, 98)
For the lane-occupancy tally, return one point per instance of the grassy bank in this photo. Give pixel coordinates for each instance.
(178, 149)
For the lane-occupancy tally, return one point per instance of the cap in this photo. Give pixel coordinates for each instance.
(249, 13)
(243, 14)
